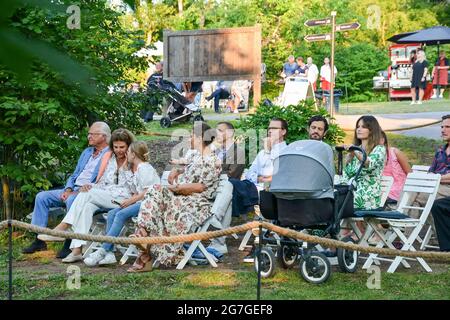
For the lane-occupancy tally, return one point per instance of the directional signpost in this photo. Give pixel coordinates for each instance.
(317, 22)
(348, 26)
(330, 37)
(318, 37)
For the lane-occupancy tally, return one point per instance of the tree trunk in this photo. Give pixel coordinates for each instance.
(180, 7)
(6, 198)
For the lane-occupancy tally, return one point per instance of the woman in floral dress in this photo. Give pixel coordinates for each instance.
(368, 135)
(186, 202)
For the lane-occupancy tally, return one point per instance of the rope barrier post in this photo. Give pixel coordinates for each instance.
(10, 257)
(258, 291)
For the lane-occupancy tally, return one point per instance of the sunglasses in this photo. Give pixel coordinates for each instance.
(116, 179)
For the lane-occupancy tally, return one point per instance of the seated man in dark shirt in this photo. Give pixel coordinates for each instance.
(440, 165)
(223, 91)
(233, 164)
(441, 216)
(232, 156)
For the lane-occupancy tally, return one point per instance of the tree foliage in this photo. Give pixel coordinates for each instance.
(44, 120)
(283, 29)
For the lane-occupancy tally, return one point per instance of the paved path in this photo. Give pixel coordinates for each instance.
(387, 122)
(402, 120)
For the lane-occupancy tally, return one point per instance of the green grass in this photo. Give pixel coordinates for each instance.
(418, 150)
(42, 278)
(204, 283)
(176, 129)
(393, 107)
(237, 285)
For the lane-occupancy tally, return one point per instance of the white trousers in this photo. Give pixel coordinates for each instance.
(82, 211)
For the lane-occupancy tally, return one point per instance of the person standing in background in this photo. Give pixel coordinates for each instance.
(313, 73)
(440, 75)
(418, 78)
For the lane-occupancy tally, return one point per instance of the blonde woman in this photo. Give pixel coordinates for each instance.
(419, 77)
(144, 176)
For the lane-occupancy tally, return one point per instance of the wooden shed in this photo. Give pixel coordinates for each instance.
(215, 54)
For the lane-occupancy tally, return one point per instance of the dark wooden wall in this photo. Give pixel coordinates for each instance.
(216, 54)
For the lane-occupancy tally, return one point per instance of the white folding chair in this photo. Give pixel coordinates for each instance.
(220, 209)
(426, 239)
(350, 223)
(420, 168)
(398, 224)
(98, 228)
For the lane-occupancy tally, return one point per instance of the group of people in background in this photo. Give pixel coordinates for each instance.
(298, 68)
(420, 75)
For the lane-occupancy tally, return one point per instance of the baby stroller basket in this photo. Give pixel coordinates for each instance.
(298, 212)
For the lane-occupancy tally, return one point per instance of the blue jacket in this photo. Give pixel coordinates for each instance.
(82, 161)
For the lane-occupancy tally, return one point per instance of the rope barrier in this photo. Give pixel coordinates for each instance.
(441, 256)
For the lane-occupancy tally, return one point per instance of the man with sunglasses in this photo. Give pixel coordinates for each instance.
(85, 173)
(262, 170)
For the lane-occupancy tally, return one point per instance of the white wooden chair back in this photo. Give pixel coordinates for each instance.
(419, 182)
(386, 185)
(420, 168)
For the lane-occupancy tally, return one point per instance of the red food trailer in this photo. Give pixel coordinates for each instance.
(400, 70)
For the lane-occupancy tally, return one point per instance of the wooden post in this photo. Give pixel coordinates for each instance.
(333, 30)
(256, 91)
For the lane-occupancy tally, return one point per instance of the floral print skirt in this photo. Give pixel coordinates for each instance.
(163, 213)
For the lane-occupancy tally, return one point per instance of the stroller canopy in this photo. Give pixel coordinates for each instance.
(304, 170)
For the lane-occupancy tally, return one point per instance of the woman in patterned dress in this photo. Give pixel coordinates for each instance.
(368, 135)
(186, 202)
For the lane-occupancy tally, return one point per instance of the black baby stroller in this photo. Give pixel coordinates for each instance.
(304, 198)
(178, 107)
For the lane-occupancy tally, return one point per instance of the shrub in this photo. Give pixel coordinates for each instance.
(253, 128)
(297, 117)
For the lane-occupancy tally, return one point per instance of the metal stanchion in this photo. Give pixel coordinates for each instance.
(10, 257)
(258, 291)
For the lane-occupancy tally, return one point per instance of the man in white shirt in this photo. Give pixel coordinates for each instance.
(261, 170)
(313, 73)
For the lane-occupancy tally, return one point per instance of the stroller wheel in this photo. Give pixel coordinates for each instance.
(198, 117)
(165, 122)
(347, 259)
(287, 256)
(315, 267)
(267, 262)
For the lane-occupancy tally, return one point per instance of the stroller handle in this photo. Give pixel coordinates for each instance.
(341, 149)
